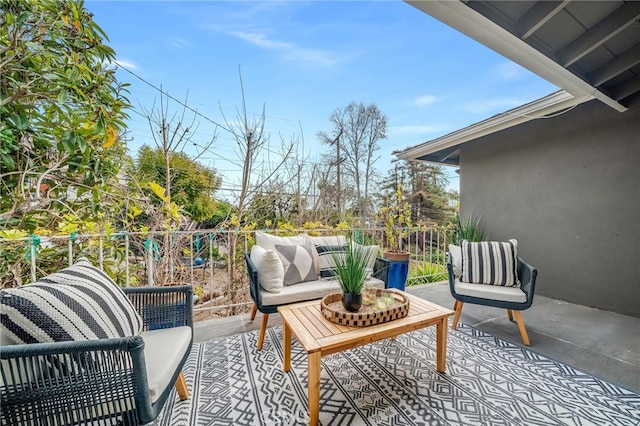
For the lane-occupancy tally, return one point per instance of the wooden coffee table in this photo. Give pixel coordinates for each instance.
(319, 336)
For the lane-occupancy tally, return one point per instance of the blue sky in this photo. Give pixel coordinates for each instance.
(302, 60)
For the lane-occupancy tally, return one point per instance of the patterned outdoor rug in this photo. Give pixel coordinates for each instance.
(394, 382)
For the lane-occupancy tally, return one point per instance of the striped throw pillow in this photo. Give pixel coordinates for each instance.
(77, 303)
(327, 262)
(490, 262)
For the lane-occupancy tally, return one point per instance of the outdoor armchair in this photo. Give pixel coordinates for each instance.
(513, 299)
(125, 380)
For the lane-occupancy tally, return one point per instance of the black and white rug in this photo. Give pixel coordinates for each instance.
(394, 382)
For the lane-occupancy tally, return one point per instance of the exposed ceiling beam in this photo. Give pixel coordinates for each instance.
(617, 66)
(537, 16)
(621, 18)
(458, 15)
(625, 89)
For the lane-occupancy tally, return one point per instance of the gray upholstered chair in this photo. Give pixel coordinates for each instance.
(513, 299)
(124, 380)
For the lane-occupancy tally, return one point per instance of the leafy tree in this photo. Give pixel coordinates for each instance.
(192, 184)
(61, 110)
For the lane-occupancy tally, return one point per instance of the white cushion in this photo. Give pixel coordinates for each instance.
(163, 350)
(297, 262)
(492, 292)
(456, 259)
(331, 240)
(309, 290)
(269, 241)
(270, 268)
(372, 252)
(490, 262)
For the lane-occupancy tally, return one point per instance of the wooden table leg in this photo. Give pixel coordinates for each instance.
(286, 341)
(441, 345)
(314, 388)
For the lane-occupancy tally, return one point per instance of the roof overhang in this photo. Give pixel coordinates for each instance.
(444, 150)
(523, 32)
(589, 49)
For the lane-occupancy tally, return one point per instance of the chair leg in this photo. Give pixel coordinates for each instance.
(523, 331)
(253, 311)
(263, 330)
(510, 314)
(181, 387)
(458, 308)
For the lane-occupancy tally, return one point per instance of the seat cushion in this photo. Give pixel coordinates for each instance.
(77, 303)
(307, 291)
(490, 262)
(492, 292)
(162, 359)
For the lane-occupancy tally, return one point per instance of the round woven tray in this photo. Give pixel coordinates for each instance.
(332, 309)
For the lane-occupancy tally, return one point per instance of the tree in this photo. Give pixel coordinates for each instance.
(192, 185)
(354, 139)
(61, 111)
(425, 186)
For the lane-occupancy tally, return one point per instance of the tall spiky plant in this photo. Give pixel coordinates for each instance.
(468, 228)
(352, 268)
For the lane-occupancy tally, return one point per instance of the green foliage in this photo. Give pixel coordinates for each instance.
(424, 272)
(61, 107)
(351, 269)
(396, 216)
(192, 184)
(468, 229)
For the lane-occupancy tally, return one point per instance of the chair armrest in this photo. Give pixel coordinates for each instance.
(527, 275)
(163, 307)
(80, 381)
(381, 270)
(452, 277)
(254, 287)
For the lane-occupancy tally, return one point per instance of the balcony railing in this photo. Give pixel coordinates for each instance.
(200, 258)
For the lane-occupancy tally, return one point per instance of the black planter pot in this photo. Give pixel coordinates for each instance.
(352, 302)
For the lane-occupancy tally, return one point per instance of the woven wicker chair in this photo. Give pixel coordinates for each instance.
(109, 381)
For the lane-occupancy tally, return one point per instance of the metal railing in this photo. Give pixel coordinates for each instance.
(200, 258)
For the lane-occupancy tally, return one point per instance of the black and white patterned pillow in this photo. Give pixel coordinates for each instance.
(490, 262)
(327, 255)
(77, 303)
(297, 262)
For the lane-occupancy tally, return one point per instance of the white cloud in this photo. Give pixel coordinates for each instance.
(290, 50)
(509, 70)
(126, 64)
(425, 100)
(179, 43)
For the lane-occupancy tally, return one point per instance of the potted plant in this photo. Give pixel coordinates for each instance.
(396, 216)
(351, 271)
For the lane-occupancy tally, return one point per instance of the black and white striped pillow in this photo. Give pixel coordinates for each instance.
(327, 256)
(490, 262)
(77, 303)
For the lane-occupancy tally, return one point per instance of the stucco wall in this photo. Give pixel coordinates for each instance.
(568, 189)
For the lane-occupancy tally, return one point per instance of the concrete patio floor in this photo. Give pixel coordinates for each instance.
(602, 343)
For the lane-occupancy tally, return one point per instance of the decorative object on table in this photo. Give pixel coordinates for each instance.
(396, 215)
(387, 305)
(351, 271)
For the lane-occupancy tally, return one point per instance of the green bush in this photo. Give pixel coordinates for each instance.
(424, 273)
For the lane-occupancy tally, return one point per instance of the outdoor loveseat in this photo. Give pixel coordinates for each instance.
(118, 352)
(308, 273)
